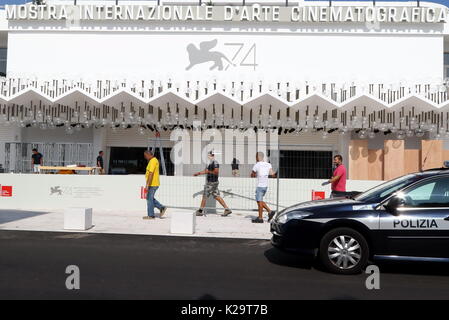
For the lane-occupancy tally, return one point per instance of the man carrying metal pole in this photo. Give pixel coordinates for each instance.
(211, 186)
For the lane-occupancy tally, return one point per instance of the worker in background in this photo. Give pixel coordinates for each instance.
(37, 160)
(100, 162)
(338, 180)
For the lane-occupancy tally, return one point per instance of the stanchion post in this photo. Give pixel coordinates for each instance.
(277, 191)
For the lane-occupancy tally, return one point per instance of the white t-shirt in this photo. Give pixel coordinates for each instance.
(262, 169)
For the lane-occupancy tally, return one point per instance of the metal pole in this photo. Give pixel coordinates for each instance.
(277, 179)
(161, 152)
(277, 191)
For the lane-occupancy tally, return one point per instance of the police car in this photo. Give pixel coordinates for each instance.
(405, 218)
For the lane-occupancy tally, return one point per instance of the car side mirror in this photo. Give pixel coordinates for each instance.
(393, 204)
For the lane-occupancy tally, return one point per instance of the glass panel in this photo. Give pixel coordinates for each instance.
(446, 59)
(125, 160)
(420, 194)
(377, 194)
(3, 54)
(2, 67)
(298, 164)
(433, 193)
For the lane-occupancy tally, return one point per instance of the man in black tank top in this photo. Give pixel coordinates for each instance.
(211, 186)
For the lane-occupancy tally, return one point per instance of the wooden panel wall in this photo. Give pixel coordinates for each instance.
(375, 164)
(412, 160)
(431, 154)
(394, 159)
(446, 155)
(358, 160)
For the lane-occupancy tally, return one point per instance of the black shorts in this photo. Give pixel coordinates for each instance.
(338, 194)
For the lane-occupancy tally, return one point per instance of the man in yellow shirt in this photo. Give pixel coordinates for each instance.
(152, 184)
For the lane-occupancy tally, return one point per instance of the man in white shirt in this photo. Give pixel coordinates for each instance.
(262, 170)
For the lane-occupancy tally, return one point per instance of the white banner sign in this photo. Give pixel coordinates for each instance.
(256, 13)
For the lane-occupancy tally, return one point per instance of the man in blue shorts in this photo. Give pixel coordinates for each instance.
(262, 170)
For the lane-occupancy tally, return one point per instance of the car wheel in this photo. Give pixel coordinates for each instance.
(344, 251)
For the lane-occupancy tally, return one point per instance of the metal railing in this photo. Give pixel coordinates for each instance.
(18, 155)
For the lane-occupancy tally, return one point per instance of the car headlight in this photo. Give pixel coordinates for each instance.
(283, 218)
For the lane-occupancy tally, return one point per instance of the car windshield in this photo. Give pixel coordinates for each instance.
(382, 191)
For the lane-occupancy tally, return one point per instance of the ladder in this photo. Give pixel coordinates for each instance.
(157, 144)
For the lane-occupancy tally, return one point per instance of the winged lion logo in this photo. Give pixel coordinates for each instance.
(204, 54)
(55, 190)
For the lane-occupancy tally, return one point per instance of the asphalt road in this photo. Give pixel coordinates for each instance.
(33, 265)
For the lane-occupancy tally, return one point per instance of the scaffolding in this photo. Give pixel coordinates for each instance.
(18, 155)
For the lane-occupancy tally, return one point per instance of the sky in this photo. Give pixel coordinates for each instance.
(3, 2)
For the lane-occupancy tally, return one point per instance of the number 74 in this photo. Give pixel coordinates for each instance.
(250, 55)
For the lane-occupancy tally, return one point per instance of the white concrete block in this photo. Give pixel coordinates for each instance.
(183, 222)
(77, 218)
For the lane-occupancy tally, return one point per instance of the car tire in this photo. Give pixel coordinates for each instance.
(344, 251)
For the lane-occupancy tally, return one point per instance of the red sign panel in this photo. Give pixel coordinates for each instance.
(6, 191)
(318, 195)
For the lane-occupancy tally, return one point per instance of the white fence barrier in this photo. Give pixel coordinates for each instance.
(29, 191)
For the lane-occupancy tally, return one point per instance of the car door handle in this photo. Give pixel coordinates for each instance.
(447, 218)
